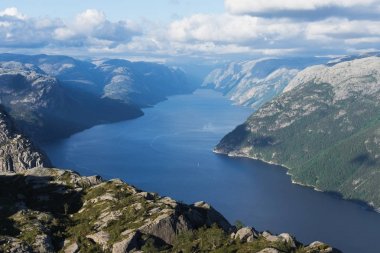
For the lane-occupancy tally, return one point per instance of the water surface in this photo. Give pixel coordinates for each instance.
(168, 151)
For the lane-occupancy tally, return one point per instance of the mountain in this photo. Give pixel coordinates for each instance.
(140, 83)
(45, 109)
(325, 128)
(253, 83)
(111, 216)
(17, 153)
(53, 97)
(51, 210)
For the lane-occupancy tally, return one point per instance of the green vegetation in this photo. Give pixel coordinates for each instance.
(328, 144)
(59, 210)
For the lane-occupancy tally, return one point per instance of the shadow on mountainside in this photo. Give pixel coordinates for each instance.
(30, 205)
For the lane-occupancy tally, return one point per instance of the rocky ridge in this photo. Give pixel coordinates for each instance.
(93, 215)
(253, 83)
(140, 83)
(44, 109)
(324, 128)
(17, 153)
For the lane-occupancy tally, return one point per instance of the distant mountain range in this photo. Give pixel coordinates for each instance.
(324, 126)
(253, 83)
(54, 96)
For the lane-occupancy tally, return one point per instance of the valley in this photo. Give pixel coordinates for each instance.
(168, 152)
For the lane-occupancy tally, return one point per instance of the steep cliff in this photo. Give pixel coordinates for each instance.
(141, 83)
(325, 128)
(45, 109)
(17, 153)
(253, 83)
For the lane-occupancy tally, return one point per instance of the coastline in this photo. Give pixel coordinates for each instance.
(364, 203)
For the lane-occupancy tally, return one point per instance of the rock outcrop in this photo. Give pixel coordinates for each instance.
(51, 210)
(17, 153)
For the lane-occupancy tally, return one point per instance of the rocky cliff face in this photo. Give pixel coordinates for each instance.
(140, 83)
(325, 127)
(45, 109)
(93, 215)
(17, 153)
(253, 83)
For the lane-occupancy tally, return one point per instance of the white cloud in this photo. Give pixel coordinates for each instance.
(205, 35)
(12, 12)
(258, 6)
(335, 28)
(230, 28)
(364, 40)
(89, 28)
(93, 24)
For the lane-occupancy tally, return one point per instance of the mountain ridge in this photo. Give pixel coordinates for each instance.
(324, 128)
(52, 97)
(254, 82)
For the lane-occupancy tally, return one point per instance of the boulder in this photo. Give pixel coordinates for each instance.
(166, 227)
(269, 250)
(201, 213)
(128, 244)
(284, 237)
(288, 238)
(73, 248)
(246, 234)
(100, 238)
(269, 237)
(320, 247)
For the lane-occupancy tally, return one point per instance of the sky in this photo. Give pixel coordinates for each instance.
(190, 29)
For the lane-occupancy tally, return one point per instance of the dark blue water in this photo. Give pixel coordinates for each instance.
(169, 151)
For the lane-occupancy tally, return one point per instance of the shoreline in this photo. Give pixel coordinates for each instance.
(363, 203)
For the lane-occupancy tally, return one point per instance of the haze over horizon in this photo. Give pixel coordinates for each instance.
(190, 30)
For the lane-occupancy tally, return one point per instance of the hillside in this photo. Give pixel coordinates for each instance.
(253, 83)
(325, 128)
(45, 109)
(111, 216)
(140, 83)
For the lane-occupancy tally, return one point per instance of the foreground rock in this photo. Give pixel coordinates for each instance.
(17, 152)
(51, 210)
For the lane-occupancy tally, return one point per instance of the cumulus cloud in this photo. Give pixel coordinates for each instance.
(89, 28)
(18, 31)
(260, 6)
(241, 30)
(12, 12)
(229, 28)
(228, 33)
(92, 26)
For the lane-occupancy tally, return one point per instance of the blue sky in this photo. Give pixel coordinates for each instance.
(190, 29)
(159, 10)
